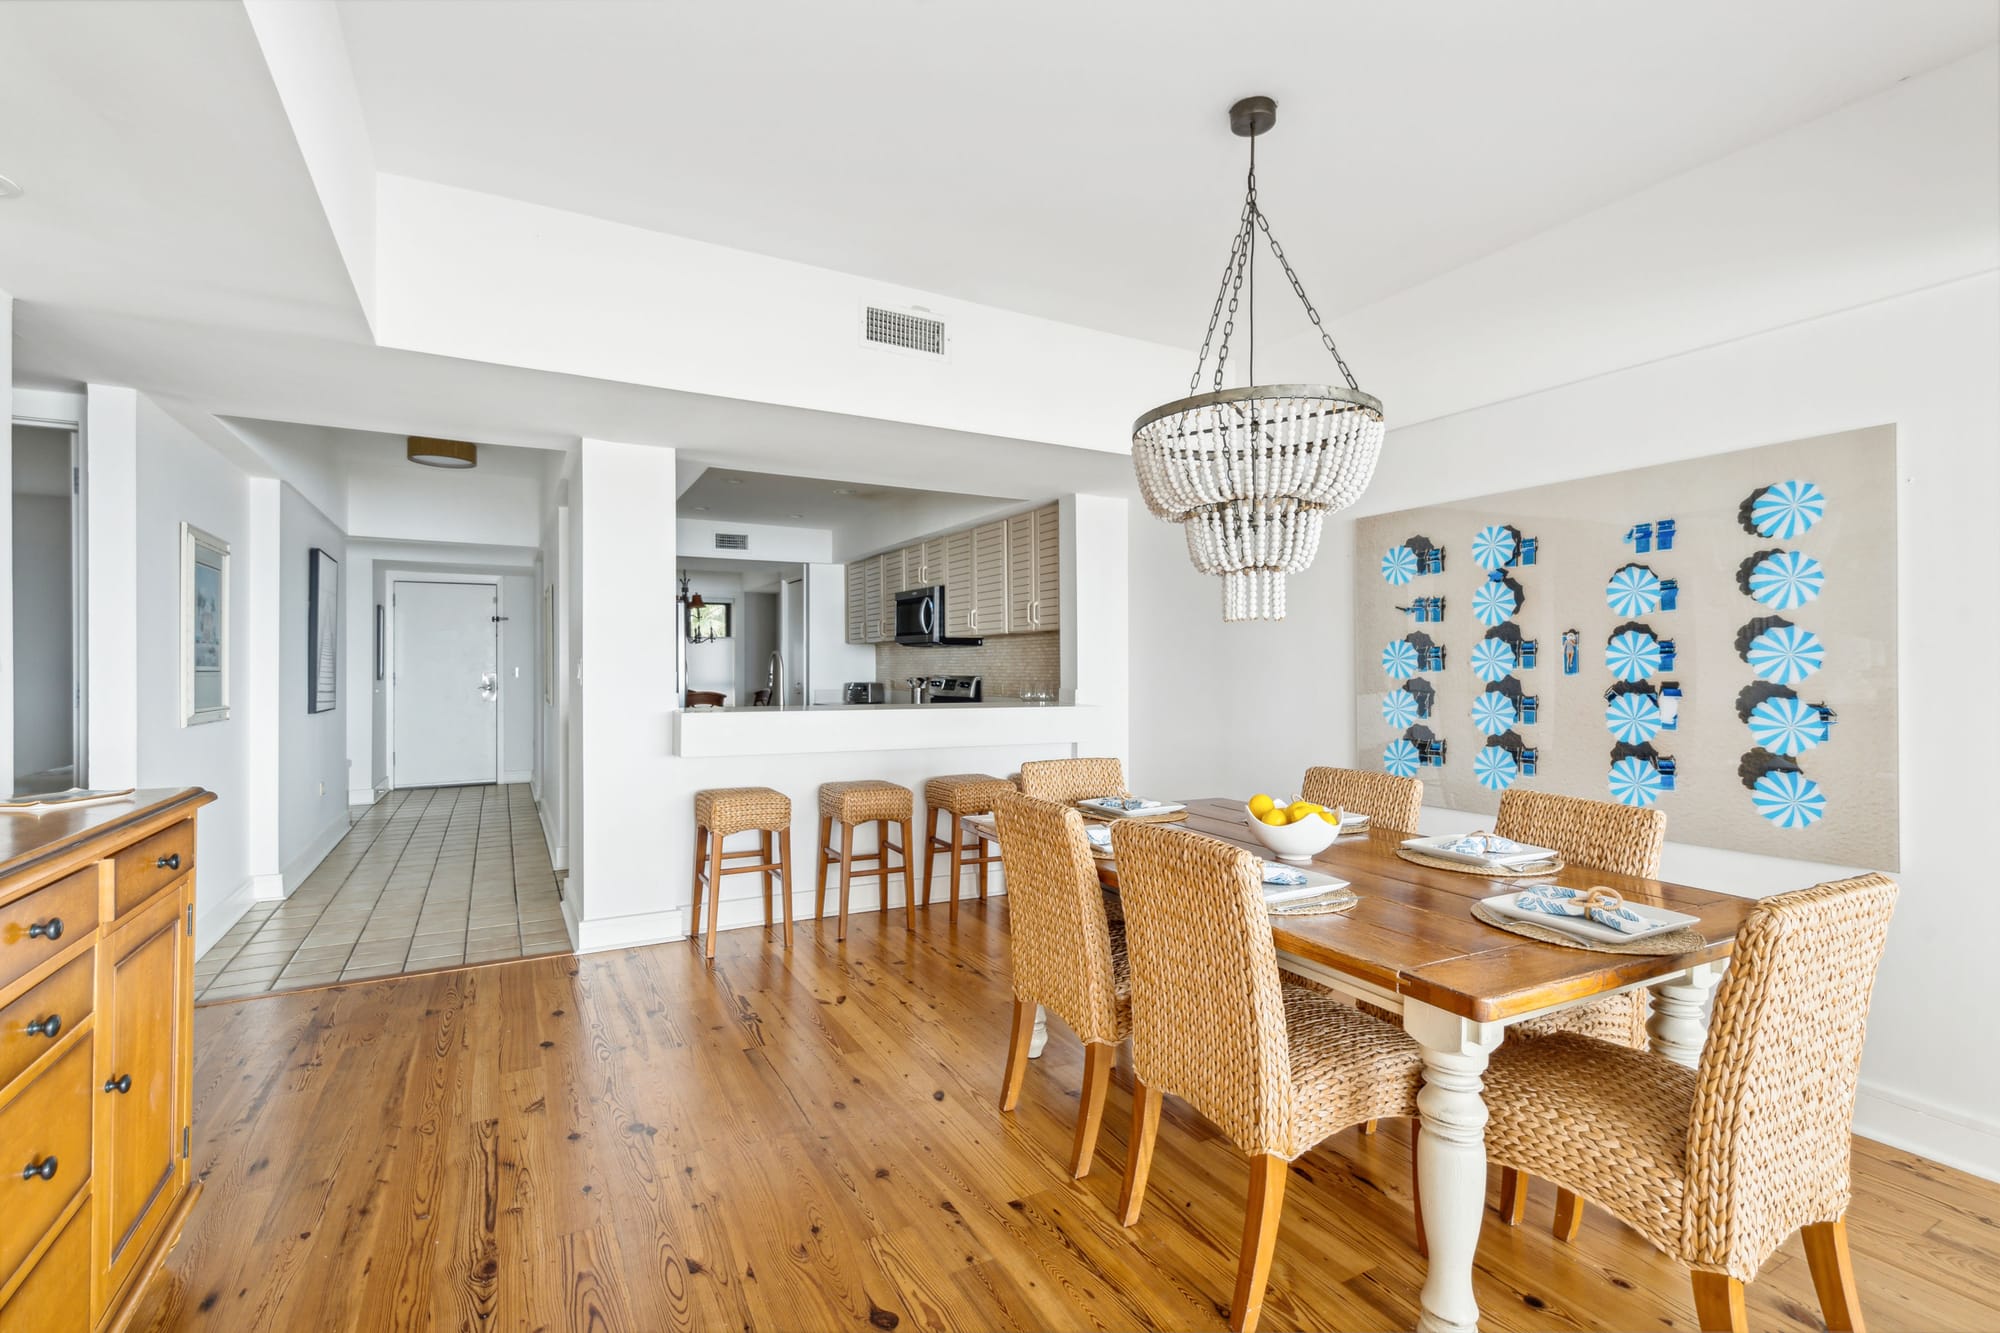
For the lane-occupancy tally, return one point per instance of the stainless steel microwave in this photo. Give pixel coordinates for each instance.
(920, 619)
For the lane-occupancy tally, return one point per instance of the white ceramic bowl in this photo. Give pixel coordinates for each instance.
(1297, 843)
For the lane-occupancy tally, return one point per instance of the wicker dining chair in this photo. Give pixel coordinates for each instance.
(1718, 1165)
(1389, 802)
(1068, 957)
(1072, 779)
(1277, 1068)
(1625, 840)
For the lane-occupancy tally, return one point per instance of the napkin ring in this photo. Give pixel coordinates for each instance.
(1600, 898)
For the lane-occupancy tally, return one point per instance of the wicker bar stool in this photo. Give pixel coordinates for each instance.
(955, 796)
(868, 801)
(722, 811)
(1277, 1068)
(1626, 840)
(1720, 1164)
(1072, 779)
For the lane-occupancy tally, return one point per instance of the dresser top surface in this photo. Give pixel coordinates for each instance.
(26, 840)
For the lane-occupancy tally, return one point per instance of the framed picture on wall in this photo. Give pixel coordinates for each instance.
(322, 631)
(378, 641)
(204, 648)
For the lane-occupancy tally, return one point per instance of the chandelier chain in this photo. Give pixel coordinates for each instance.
(1221, 294)
(1298, 290)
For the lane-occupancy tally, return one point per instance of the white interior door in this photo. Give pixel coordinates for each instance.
(446, 690)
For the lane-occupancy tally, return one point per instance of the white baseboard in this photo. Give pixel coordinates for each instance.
(267, 888)
(1955, 1138)
(558, 854)
(214, 916)
(308, 860)
(517, 775)
(361, 796)
(597, 934)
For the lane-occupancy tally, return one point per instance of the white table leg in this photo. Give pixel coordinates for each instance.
(1451, 1159)
(1678, 1026)
(1041, 1038)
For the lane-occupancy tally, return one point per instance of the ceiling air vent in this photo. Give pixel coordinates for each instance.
(732, 541)
(915, 331)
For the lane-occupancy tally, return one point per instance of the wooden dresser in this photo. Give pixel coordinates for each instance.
(96, 1055)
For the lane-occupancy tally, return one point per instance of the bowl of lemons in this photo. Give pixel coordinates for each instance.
(1295, 831)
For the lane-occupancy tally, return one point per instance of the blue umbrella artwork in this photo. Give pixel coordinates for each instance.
(1785, 654)
(1633, 719)
(1635, 781)
(1399, 659)
(1399, 565)
(1492, 659)
(1492, 547)
(1785, 580)
(1633, 655)
(1786, 725)
(1495, 768)
(1633, 591)
(1789, 799)
(1494, 712)
(1788, 509)
(1493, 603)
(1400, 757)
(1399, 708)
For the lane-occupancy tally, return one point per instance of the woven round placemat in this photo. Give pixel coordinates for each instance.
(1683, 940)
(1098, 817)
(1461, 868)
(1326, 904)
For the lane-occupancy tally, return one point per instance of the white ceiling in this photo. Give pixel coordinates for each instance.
(1073, 160)
(729, 495)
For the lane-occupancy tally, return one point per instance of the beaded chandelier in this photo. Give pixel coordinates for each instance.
(1252, 473)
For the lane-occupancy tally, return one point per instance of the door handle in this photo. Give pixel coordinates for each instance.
(489, 685)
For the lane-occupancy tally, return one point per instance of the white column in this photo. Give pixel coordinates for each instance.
(257, 573)
(111, 578)
(1451, 1159)
(1679, 1022)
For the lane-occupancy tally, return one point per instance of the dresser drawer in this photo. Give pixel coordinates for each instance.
(31, 1024)
(38, 926)
(146, 867)
(55, 1296)
(48, 1120)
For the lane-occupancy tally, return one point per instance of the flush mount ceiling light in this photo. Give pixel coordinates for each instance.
(443, 453)
(1253, 472)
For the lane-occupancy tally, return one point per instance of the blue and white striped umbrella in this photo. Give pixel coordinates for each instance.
(1787, 726)
(1399, 565)
(1633, 655)
(1633, 719)
(1399, 659)
(1789, 799)
(1494, 712)
(1492, 547)
(1400, 757)
(1399, 708)
(1786, 654)
(1788, 509)
(1493, 603)
(1635, 781)
(1493, 659)
(1633, 591)
(1786, 580)
(1495, 768)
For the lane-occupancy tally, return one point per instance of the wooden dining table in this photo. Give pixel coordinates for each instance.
(1412, 946)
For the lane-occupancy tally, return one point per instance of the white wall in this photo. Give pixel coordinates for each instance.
(834, 661)
(111, 563)
(713, 666)
(768, 541)
(42, 642)
(520, 686)
(7, 538)
(312, 747)
(480, 507)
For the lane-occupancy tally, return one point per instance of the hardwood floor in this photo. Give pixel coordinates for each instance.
(633, 1140)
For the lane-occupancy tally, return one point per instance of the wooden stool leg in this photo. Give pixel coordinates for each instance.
(930, 852)
(1017, 1054)
(1139, 1151)
(1833, 1275)
(1569, 1214)
(1097, 1057)
(825, 840)
(909, 883)
(954, 837)
(1260, 1239)
(714, 887)
(846, 874)
(1513, 1196)
(765, 842)
(985, 853)
(1718, 1303)
(785, 878)
(694, 907)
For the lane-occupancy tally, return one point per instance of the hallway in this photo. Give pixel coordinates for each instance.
(429, 877)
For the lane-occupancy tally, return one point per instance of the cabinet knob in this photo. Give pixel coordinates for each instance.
(42, 1170)
(171, 861)
(123, 1083)
(46, 1027)
(46, 930)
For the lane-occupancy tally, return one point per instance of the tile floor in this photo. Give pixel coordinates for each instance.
(429, 877)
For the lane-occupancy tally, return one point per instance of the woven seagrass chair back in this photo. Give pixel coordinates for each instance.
(1769, 1140)
(1208, 1018)
(1624, 839)
(1072, 779)
(1389, 801)
(1059, 937)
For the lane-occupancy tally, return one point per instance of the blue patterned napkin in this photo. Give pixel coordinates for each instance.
(1278, 873)
(1602, 905)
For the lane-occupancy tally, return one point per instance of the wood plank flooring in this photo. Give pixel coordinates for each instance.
(633, 1140)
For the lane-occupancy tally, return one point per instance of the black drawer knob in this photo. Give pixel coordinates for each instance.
(46, 1027)
(45, 930)
(172, 861)
(123, 1083)
(42, 1170)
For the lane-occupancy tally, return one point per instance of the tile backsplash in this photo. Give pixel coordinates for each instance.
(1008, 663)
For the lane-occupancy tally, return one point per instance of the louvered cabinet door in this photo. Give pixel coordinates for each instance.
(961, 598)
(891, 564)
(1048, 569)
(989, 578)
(933, 562)
(871, 600)
(1020, 573)
(857, 604)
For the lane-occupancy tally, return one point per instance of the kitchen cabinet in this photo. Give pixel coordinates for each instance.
(959, 597)
(975, 585)
(932, 561)
(1034, 566)
(857, 605)
(891, 578)
(1002, 577)
(869, 582)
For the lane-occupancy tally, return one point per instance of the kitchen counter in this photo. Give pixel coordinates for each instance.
(834, 728)
(848, 708)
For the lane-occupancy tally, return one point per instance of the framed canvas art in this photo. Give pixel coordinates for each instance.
(204, 647)
(322, 632)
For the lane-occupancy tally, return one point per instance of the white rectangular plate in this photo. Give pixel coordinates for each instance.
(1317, 882)
(1584, 928)
(1103, 805)
(1529, 854)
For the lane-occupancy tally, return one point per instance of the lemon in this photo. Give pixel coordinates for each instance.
(1261, 805)
(1274, 817)
(1331, 816)
(1300, 809)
